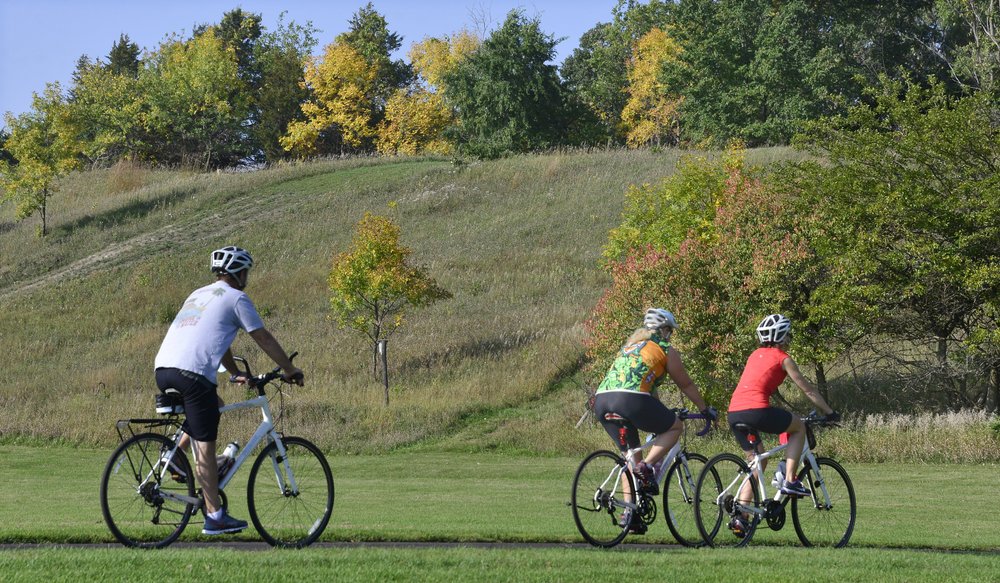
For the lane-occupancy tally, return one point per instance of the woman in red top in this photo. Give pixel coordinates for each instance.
(766, 368)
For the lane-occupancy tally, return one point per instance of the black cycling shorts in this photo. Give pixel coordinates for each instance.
(768, 420)
(644, 412)
(201, 401)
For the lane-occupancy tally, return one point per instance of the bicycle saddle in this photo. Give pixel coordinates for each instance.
(753, 436)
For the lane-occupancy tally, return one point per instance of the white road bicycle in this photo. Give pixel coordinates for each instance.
(605, 507)
(729, 487)
(148, 489)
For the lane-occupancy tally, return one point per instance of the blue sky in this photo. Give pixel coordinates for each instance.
(41, 40)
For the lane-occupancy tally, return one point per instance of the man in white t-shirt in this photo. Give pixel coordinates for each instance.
(196, 344)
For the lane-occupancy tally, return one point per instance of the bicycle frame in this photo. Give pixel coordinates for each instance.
(779, 497)
(264, 431)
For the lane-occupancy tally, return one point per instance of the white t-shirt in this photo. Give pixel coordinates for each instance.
(205, 328)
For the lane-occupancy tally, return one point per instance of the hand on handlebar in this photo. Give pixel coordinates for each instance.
(295, 376)
(711, 416)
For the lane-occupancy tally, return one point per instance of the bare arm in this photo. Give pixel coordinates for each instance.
(679, 374)
(796, 375)
(270, 346)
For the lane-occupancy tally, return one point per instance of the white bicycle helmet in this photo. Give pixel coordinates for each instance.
(774, 328)
(657, 318)
(231, 260)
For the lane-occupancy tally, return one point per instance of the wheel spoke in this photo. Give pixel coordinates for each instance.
(132, 493)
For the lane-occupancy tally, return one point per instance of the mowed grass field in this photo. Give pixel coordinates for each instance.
(929, 522)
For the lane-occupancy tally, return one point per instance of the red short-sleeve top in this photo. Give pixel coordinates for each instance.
(761, 378)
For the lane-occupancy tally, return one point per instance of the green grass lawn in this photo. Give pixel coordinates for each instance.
(911, 521)
(50, 494)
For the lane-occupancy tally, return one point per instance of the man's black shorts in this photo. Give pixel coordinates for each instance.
(201, 401)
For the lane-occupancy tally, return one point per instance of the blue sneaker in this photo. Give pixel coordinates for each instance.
(794, 488)
(224, 525)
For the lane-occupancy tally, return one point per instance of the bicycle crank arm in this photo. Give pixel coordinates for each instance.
(181, 498)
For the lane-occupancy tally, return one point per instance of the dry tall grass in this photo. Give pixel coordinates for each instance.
(517, 241)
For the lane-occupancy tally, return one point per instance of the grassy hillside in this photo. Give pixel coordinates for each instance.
(517, 242)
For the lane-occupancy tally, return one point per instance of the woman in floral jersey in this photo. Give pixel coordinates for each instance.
(629, 390)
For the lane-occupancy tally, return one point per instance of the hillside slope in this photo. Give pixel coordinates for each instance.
(517, 242)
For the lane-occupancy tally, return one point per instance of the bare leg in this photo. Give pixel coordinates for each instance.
(796, 440)
(663, 442)
(207, 471)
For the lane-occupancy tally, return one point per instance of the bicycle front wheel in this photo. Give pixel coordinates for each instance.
(290, 497)
(140, 489)
(678, 498)
(724, 481)
(826, 517)
(599, 497)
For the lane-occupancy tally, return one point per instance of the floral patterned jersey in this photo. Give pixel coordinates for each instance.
(640, 367)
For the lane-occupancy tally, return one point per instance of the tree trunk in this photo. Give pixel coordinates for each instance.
(821, 382)
(45, 199)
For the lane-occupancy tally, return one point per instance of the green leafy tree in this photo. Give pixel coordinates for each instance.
(595, 72)
(281, 57)
(198, 105)
(109, 115)
(739, 257)
(910, 191)
(970, 42)
(124, 57)
(372, 285)
(369, 35)
(663, 215)
(507, 97)
(44, 149)
(755, 69)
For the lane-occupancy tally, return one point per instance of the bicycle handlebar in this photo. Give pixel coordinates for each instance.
(685, 414)
(260, 381)
(821, 420)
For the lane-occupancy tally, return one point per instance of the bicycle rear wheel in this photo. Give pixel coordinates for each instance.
(290, 498)
(598, 498)
(817, 523)
(137, 492)
(678, 498)
(716, 501)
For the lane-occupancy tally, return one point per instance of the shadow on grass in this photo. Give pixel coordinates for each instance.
(112, 218)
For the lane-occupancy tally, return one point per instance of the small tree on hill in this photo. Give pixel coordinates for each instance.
(41, 143)
(372, 285)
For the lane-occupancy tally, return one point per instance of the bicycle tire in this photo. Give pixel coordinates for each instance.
(827, 527)
(131, 493)
(283, 517)
(679, 488)
(714, 506)
(597, 498)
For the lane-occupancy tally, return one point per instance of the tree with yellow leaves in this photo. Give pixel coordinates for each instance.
(414, 124)
(416, 118)
(433, 58)
(651, 114)
(338, 115)
(371, 284)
